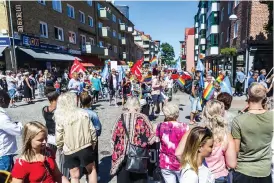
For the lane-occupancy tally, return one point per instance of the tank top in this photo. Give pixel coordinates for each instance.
(50, 123)
(216, 161)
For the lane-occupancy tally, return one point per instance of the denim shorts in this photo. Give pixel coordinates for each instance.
(171, 176)
(6, 162)
(195, 104)
(12, 93)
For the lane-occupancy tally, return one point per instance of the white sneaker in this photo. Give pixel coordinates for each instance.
(161, 114)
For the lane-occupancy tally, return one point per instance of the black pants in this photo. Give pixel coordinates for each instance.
(96, 95)
(239, 88)
(33, 92)
(241, 178)
(125, 176)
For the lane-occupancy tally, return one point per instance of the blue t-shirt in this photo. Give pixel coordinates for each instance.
(95, 121)
(250, 81)
(96, 84)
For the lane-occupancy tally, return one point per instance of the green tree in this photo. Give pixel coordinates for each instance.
(167, 54)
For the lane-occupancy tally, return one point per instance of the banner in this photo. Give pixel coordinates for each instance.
(76, 67)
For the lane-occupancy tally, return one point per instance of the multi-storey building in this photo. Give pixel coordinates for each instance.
(189, 48)
(238, 25)
(200, 18)
(183, 52)
(123, 9)
(151, 47)
(55, 32)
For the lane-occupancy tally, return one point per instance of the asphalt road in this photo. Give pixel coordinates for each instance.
(107, 114)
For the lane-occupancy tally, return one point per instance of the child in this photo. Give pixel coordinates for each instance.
(57, 87)
(86, 102)
(198, 145)
(8, 132)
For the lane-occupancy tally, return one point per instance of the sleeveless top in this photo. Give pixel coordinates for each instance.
(216, 161)
(50, 123)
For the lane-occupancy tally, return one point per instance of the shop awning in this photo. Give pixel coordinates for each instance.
(1, 50)
(91, 61)
(47, 55)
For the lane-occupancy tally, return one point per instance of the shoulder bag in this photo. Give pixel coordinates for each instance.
(157, 174)
(137, 157)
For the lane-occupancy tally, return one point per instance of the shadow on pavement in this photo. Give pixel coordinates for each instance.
(182, 105)
(187, 117)
(104, 169)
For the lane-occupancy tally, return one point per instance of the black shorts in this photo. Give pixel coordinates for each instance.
(81, 158)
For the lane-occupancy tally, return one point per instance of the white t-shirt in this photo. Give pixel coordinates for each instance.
(11, 82)
(188, 175)
(114, 80)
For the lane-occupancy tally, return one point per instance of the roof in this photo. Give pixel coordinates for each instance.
(120, 12)
(191, 31)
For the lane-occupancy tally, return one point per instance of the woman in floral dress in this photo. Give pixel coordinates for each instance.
(141, 134)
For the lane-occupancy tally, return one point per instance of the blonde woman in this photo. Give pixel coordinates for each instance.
(252, 133)
(199, 144)
(140, 132)
(74, 86)
(76, 137)
(37, 162)
(224, 153)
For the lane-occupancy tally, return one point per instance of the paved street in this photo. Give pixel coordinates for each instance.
(107, 115)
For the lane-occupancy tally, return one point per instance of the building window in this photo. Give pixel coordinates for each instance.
(43, 29)
(113, 18)
(70, 11)
(42, 2)
(235, 30)
(203, 19)
(90, 21)
(115, 49)
(119, 36)
(100, 24)
(203, 33)
(59, 33)
(214, 39)
(83, 40)
(91, 41)
(222, 14)
(114, 33)
(89, 2)
(119, 21)
(222, 37)
(227, 34)
(101, 44)
(213, 19)
(57, 5)
(236, 2)
(72, 37)
(81, 17)
(99, 6)
(229, 8)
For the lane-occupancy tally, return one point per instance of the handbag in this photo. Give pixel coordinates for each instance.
(137, 157)
(157, 174)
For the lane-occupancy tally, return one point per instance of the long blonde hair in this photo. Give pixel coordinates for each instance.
(197, 137)
(212, 116)
(67, 110)
(31, 129)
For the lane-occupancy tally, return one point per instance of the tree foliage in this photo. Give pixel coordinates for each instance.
(268, 27)
(167, 54)
(229, 51)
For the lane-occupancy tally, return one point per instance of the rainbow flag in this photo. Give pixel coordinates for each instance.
(220, 78)
(208, 92)
(153, 61)
(181, 81)
(148, 78)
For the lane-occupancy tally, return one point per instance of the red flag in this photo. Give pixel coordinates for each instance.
(76, 67)
(136, 69)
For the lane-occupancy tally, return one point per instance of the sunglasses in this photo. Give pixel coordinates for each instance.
(208, 133)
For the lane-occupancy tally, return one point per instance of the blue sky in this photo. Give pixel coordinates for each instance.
(163, 20)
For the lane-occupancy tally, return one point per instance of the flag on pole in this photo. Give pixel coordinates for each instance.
(153, 61)
(226, 86)
(200, 66)
(220, 78)
(181, 81)
(136, 69)
(76, 67)
(104, 73)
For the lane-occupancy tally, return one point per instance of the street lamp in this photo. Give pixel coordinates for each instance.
(233, 17)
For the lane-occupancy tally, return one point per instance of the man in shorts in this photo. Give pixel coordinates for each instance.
(11, 82)
(113, 87)
(195, 100)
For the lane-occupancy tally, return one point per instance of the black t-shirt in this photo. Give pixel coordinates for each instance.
(50, 123)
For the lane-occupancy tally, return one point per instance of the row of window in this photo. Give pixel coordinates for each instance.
(57, 5)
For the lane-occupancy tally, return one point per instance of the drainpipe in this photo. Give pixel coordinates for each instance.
(14, 65)
(96, 24)
(247, 49)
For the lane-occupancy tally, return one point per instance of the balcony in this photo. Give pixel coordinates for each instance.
(107, 53)
(196, 36)
(92, 49)
(146, 59)
(105, 32)
(137, 38)
(134, 33)
(145, 45)
(146, 52)
(123, 41)
(214, 50)
(130, 29)
(123, 27)
(104, 14)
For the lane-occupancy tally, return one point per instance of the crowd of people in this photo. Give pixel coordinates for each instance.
(221, 148)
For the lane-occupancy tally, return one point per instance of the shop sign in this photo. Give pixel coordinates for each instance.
(74, 52)
(19, 18)
(30, 41)
(4, 41)
(240, 58)
(51, 47)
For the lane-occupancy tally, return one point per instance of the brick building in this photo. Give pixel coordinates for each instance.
(52, 33)
(189, 48)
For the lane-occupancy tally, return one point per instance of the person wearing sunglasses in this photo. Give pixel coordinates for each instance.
(199, 144)
(37, 162)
